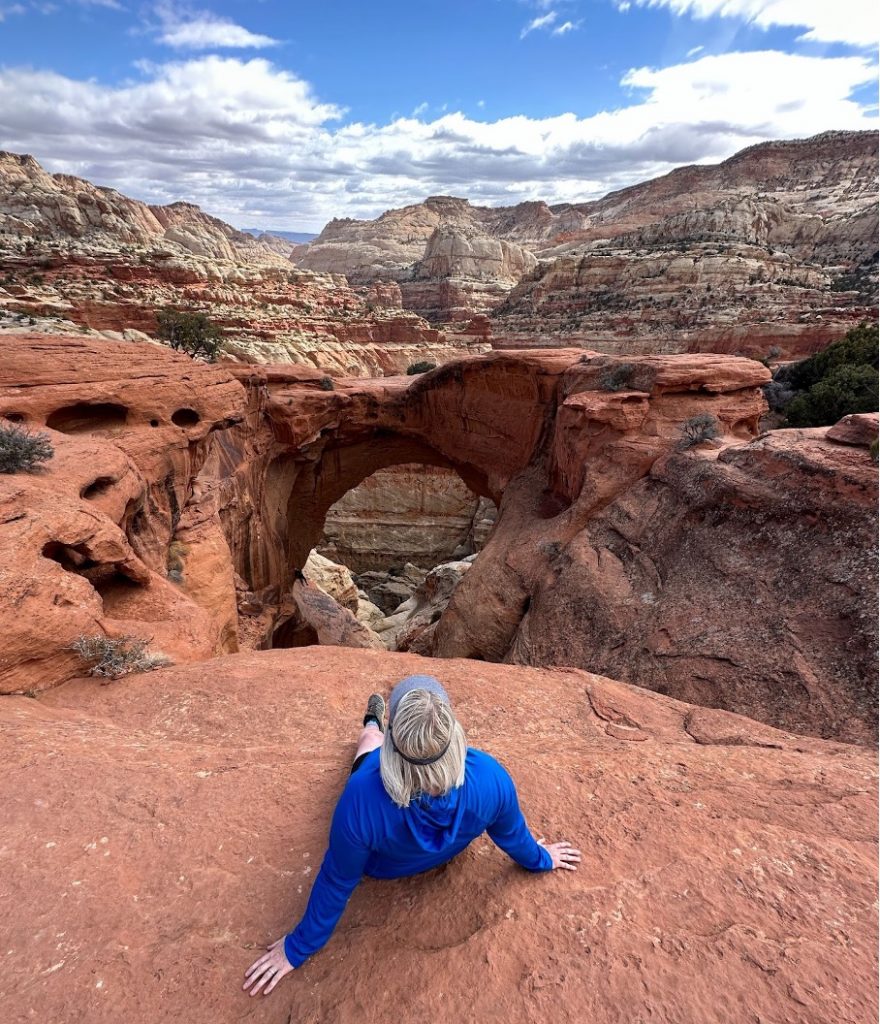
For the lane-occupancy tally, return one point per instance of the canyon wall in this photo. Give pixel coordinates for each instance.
(76, 256)
(415, 513)
(775, 248)
(772, 252)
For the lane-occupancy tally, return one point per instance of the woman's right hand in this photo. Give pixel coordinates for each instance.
(563, 854)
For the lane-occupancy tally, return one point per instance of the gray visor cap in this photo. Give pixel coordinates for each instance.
(405, 686)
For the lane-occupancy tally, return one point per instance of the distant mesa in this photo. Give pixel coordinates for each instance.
(297, 237)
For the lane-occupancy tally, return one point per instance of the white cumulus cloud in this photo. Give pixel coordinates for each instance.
(252, 143)
(853, 22)
(202, 30)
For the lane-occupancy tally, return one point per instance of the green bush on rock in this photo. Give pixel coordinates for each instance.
(839, 380)
(192, 333)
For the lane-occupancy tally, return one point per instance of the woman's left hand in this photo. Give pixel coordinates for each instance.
(270, 968)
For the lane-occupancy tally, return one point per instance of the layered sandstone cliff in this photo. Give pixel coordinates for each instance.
(774, 248)
(416, 513)
(37, 207)
(73, 255)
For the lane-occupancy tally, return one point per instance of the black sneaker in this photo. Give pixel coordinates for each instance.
(375, 711)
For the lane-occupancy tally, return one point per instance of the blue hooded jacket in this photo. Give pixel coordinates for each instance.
(371, 835)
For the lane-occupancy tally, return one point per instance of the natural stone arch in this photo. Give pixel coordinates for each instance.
(538, 433)
(484, 419)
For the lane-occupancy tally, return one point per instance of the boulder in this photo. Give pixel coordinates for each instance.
(333, 579)
(860, 428)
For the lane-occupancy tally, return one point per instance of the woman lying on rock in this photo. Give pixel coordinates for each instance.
(417, 796)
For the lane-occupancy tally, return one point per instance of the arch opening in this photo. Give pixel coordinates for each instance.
(319, 485)
(390, 510)
(185, 417)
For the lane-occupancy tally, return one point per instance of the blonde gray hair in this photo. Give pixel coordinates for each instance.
(423, 725)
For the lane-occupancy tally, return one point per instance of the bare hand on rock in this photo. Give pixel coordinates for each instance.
(269, 968)
(563, 854)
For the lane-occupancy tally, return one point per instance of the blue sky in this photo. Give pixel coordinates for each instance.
(284, 114)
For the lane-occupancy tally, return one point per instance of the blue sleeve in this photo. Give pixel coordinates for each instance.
(341, 870)
(510, 832)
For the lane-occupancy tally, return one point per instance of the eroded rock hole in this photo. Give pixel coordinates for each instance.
(85, 417)
(97, 487)
(114, 587)
(185, 417)
(14, 417)
(71, 557)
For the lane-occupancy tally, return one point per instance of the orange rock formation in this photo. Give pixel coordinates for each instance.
(736, 576)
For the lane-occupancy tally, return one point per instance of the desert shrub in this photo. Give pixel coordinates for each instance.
(421, 367)
(839, 380)
(618, 377)
(21, 450)
(112, 657)
(189, 332)
(845, 390)
(857, 348)
(326, 384)
(702, 427)
(778, 394)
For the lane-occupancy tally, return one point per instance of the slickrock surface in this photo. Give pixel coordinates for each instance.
(75, 254)
(773, 248)
(160, 831)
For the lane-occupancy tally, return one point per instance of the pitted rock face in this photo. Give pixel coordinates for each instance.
(712, 573)
(89, 537)
(176, 822)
